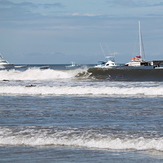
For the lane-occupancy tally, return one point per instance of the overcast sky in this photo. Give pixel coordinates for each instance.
(61, 31)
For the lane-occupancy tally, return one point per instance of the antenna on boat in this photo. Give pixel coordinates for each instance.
(102, 50)
(111, 55)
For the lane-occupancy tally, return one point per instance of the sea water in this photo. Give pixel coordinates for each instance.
(50, 114)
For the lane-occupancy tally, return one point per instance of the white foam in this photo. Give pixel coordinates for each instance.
(82, 90)
(77, 139)
(38, 74)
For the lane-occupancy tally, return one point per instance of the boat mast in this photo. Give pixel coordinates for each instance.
(141, 46)
(140, 41)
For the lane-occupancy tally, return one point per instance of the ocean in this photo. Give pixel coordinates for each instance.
(51, 114)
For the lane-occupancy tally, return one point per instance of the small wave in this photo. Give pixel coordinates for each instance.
(74, 138)
(81, 90)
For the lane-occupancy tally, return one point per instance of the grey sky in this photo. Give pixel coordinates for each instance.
(61, 31)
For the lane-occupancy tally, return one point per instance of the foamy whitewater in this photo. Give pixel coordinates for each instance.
(60, 115)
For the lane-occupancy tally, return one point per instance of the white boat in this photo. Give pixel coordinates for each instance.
(5, 64)
(110, 63)
(138, 60)
(72, 66)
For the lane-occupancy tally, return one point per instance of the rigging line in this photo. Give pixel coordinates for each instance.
(103, 50)
(143, 51)
(135, 47)
(108, 48)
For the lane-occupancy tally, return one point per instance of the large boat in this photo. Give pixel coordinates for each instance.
(4, 64)
(139, 60)
(110, 63)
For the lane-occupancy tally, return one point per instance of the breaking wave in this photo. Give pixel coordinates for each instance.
(91, 73)
(75, 138)
(39, 74)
